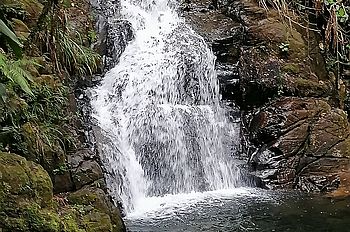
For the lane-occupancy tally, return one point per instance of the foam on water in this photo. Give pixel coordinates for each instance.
(162, 129)
(169, 205)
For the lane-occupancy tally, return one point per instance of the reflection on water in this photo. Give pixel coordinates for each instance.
(241, 210)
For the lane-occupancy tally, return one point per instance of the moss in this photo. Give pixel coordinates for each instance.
(24, 179)
(83, 198)
(97, 222)
(26, 196)
(26, 199)
(42, 184)
(291, 68)
(13, 176)
(41, 220)
(297, 45)
(71, 221)
(309, 88)
(91, 199)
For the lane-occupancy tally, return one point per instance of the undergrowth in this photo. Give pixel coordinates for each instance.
(328, 18)
(34, 120)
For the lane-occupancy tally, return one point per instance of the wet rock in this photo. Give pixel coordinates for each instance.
(84, 168)
(303, 144)
(104, 216)
(119, 34)
(88, 172)
(260, 79)
(63, 182)
(301, 140)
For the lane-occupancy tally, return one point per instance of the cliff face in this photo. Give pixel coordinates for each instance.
(292, 106)
(50, 175)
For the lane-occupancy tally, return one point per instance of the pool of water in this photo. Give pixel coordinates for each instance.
(240, 210)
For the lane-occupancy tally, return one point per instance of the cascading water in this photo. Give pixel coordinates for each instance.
(162, 129)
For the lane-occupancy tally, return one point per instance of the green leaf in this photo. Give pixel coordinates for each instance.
(342, 15)
(11, 39)
(15, 72)
(341, 12)
(18, 75)
(329, 2)
(6, 31)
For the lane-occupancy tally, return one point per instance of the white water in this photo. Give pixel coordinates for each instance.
(171, 205)
(163, 130)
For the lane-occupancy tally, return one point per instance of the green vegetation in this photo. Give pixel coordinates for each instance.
(33, 81)
(15, 71)
(43, 52)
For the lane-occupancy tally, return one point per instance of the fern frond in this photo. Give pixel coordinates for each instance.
(16, 73)
(19, 75)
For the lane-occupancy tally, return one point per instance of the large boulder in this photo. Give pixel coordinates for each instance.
(304, 144)
(27, 202)
(26, 198)
(103, 216)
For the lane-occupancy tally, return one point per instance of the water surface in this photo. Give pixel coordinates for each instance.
(241, 210)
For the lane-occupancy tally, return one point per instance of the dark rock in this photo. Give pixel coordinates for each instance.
(63, 182)
(119, 34)
(86, 173)
(304, 144)
(259, 78)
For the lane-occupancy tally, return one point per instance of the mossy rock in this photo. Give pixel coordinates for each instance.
(41, 148)
(23, 180)
(32, 8)
(96, 221)
(25, 196)
(291, 68)
(312, 88)
(97, 199)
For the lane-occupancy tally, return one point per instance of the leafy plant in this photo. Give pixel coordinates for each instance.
(76, 58)
(61, 169)
(15, 71)
(11, 38)
(92, 35)
(65, 47)
(342, 15)
(284, 47)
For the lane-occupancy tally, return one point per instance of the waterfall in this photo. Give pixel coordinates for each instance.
(162, 129)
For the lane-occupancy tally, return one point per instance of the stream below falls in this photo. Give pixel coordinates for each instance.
(241, 210)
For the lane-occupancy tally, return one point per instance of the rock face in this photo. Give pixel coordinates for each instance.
(304, 144)
(275, 72)
(27, 202)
